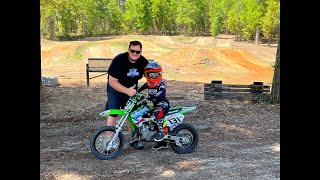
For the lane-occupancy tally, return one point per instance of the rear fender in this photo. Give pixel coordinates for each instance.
(187, 109)
(173, 120)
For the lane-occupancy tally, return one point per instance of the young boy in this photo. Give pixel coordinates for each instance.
(157, 94)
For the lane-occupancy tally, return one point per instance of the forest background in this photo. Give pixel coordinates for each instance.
(248, 20)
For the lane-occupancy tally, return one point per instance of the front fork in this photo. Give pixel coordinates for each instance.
(119, 125)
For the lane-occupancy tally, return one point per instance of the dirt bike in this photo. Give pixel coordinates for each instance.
(183, 138)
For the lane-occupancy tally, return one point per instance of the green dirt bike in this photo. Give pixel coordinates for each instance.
(183, 138)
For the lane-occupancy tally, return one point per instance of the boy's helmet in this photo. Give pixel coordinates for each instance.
(153, 74)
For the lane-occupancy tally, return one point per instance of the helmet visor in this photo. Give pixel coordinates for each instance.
(153, 75)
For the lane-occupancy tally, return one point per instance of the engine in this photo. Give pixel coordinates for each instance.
(147, 131)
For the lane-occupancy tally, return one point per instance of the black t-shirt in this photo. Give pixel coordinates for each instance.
(126, 72)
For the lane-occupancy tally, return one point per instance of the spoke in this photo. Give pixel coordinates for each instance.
(103, 141)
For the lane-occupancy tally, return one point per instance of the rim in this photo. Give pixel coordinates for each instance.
(186, 133)
(102, 141)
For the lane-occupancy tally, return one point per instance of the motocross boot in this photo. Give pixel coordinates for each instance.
(135, 142)
(137, 145)
(162, 130)
(159, 136)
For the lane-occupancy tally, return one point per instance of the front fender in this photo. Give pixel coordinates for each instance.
(121, 112)
(116, 111)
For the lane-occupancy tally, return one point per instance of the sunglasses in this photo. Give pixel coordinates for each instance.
(134, 51)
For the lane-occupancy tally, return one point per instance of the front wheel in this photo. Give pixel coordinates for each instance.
(100, 141)
(190, 136)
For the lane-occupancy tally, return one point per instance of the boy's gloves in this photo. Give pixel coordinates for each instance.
(150, 98)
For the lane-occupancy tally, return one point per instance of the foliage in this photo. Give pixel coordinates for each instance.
(251, 16)
(73, 19)
(264, 98)
(218, 13)
(270, 22)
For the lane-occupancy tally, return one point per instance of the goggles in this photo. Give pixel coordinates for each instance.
(153, 75)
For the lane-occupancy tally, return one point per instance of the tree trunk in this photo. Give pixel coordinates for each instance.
(275, 91)
(40, 69)
(51, 28)
(269, 40)
(257, 36)
(257, 31)
(83, 28)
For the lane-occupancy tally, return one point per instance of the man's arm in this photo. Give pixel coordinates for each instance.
(114, 83)
(143, 87)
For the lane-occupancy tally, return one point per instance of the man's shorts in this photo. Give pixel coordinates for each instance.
(116, 101)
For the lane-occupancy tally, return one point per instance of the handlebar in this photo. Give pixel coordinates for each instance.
(139, 96)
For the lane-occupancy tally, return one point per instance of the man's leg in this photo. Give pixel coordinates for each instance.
(135, 143)
(113, 102)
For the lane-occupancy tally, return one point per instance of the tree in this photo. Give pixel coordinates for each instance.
(275, 91)
(138, 16)
(235, 21)
(186, 16)
(251, 16)
(48, 16)
(219, 13)
(270, 22)
(257, 38)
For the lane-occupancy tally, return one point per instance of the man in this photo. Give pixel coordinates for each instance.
(123, 75)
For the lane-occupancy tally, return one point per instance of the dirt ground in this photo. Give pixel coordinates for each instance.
(238, 139)
(192, 59)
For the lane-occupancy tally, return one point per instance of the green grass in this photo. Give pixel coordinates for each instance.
(77, 55)
(122, 45)
(185, 40)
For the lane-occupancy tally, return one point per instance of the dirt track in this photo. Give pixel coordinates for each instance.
(192, 59)
(238, 139)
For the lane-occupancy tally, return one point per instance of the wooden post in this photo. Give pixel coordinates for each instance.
(256, 90)
(216, 86)
(256, 87)
(87, 70)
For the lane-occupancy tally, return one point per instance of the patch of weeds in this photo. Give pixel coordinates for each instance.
(185, 40)
(77, 55)
(207, 61)
(264, 98)
(122, 45)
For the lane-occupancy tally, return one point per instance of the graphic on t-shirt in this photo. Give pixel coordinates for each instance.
(152, 91)
(132, 72)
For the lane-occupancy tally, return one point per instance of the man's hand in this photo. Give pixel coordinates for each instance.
(131, 91)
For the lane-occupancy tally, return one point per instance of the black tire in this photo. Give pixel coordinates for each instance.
(98, 151)
(191, 133)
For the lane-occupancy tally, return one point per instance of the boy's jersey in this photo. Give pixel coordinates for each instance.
(156, 94)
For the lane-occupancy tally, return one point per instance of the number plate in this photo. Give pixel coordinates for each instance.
(174, 120)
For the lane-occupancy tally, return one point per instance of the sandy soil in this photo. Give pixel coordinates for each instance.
(192, 59)
(238, 139)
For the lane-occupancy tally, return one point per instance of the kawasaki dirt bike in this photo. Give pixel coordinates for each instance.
(183, 138)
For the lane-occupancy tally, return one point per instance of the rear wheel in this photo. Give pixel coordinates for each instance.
(100, 140)
(190, 138)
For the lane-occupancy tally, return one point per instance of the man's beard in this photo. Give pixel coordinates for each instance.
(132, 59)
